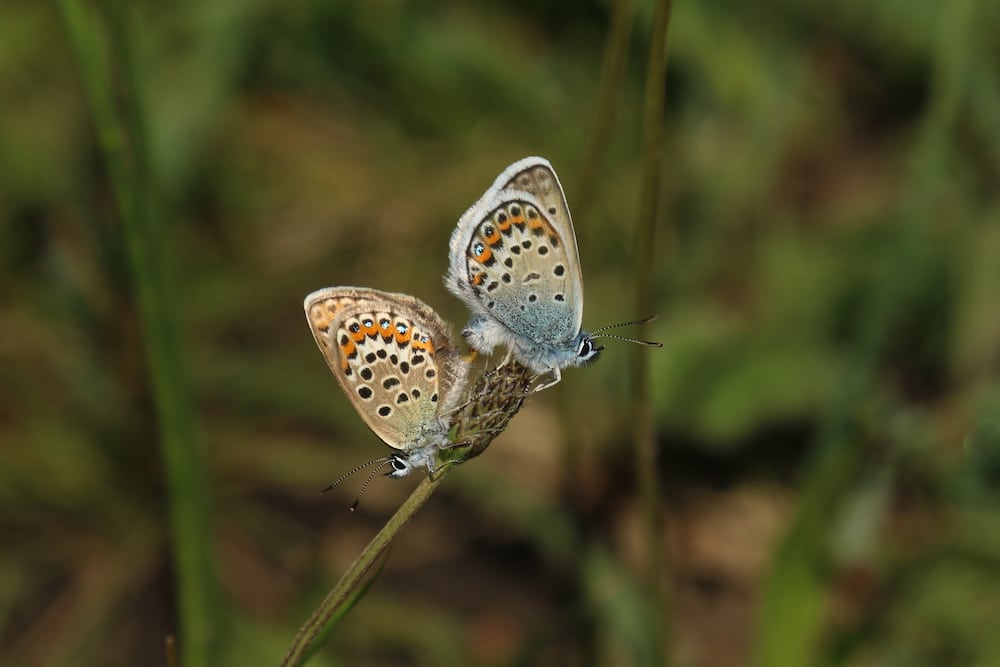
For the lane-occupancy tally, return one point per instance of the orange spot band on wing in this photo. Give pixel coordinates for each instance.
(427, 345)
(346, 351)
(538, 223)
(484, 256)
(386, 326)
(493, 238)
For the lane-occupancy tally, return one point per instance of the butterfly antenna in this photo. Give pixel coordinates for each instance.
(596, 333)
(644, 320)
(381, 460)
(647, 343)
(371, 476)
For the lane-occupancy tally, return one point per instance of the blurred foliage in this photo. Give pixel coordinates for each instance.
(299, 145)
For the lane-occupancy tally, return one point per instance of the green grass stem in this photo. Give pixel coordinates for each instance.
(343, 595)
(122, 140)
(644, 433)
(612, 75)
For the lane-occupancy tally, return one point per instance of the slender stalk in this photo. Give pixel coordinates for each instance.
(492, 402)
(644, 435)
(121, 137)
(612, 74)
(304, 642)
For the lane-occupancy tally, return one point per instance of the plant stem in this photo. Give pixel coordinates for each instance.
(644, 434)
(612, 73)
(124, 149)
(302, 644)
(491, 403)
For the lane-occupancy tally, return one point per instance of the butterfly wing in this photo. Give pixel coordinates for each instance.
(523, 272)
(536, 176)
(517, 270)
(393, 357)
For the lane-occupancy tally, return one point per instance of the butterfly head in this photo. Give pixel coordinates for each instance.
(400, 466)
(587, 351)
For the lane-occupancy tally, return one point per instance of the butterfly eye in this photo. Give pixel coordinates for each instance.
(588, 350)
(400, 467)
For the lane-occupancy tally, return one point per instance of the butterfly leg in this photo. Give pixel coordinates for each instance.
(556, 375)
(435, 472)
(506, 360)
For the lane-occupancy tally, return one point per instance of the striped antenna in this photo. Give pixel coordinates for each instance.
(596, 333)
(357, 501)
(382, 460)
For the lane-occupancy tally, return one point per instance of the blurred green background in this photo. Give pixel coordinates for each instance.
(827, 403)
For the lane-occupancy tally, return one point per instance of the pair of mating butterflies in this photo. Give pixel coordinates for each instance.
(514, 262)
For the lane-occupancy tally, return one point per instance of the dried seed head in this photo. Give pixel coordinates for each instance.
(490, 405)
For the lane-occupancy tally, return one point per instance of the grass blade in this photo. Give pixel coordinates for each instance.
(122, 140)
(644, 434)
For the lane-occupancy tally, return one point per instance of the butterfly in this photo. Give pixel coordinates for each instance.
(393, 357)
(513, 260)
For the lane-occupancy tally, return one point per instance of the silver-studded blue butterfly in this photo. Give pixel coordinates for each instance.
(513, 260)
(393, 357)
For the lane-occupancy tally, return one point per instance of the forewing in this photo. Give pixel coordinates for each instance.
(392, 356)
(518, 267)
(536, 175)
